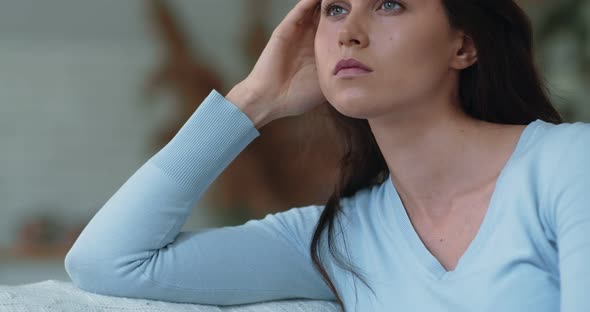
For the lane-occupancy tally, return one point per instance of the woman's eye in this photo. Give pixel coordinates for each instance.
(393, 5)
(327, 10)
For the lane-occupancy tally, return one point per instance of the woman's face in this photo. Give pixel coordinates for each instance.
(408, 44)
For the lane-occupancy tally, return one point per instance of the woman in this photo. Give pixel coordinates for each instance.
(461, 188)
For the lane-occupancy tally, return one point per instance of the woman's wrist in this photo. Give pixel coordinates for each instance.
(250, 103)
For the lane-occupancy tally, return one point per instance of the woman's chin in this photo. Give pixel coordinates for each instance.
(352, 109)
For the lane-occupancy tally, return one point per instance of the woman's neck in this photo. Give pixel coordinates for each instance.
(435, 157)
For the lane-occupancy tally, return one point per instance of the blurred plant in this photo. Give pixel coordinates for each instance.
(184, 71)
(568, 16)
(256, 32)
(563, 26)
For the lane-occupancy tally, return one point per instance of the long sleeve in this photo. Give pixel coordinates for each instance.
(570, 219)
(133, 246)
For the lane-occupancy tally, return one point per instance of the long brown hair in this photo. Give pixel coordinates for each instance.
(503, 87)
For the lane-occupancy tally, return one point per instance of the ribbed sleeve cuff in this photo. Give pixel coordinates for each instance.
(206, 144)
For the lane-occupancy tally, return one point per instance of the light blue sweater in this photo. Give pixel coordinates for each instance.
(532, 252)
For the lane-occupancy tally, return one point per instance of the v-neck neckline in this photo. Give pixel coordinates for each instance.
(395, 209)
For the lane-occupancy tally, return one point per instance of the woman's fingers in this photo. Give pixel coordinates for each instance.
(301, 11)
(300, 14)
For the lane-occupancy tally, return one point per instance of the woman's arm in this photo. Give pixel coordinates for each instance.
(133, 246)
(569, 196)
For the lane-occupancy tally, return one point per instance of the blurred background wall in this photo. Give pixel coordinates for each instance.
(75, 120)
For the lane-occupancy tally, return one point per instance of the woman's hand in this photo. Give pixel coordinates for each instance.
(284, 81)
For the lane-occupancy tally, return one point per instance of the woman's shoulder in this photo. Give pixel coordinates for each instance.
(563, 143)
(563, 134)
(561, 155)
(554, 158)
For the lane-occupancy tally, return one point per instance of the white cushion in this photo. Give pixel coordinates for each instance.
(53, 295)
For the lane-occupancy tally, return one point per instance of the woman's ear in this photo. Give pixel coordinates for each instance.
(465, 52)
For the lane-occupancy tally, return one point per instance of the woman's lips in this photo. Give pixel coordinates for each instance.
(351, 72)
(350, 63)
(351, 68)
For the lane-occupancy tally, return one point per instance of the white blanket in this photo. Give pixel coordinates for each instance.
(53, 296)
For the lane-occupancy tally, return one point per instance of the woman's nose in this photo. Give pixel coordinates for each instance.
(353, 32)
